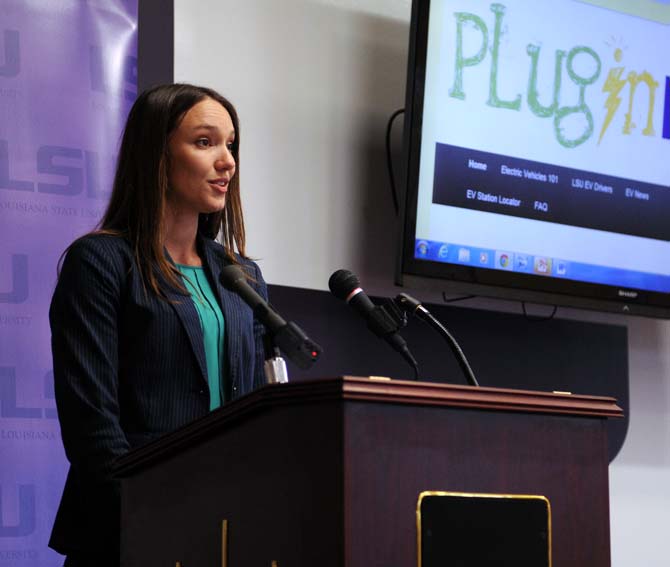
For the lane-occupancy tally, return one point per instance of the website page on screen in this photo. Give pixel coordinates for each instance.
(545, 145)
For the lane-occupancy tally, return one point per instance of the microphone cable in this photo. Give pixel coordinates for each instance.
(389, 160)
(408, 303)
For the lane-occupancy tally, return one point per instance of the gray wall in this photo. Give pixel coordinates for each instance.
(314, 82)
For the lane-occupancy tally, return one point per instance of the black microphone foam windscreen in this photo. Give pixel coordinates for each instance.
(342, 283)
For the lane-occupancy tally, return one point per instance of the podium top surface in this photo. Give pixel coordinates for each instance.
(371, 390)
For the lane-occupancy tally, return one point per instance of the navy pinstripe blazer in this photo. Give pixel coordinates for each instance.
(129, 367)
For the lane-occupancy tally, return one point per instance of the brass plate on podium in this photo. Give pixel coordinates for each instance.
(458, 529)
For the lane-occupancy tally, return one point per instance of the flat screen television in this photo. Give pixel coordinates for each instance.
(537, 145)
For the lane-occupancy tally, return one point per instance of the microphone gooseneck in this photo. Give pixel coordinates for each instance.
(414, 306)
(345, 285)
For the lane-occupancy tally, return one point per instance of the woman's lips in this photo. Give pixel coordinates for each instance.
(219, 184)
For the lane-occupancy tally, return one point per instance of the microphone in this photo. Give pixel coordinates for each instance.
(412, 305)
(290, 338)
(345, 285)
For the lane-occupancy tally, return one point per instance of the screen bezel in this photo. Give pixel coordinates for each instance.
(486, 281)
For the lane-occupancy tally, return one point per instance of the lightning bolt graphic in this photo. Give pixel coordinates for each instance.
(613, 85)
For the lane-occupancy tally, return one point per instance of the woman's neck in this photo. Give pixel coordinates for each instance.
(180, 238)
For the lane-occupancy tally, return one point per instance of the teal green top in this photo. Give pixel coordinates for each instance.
(212, 324)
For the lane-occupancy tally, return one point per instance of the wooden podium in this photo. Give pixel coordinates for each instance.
(329, 472)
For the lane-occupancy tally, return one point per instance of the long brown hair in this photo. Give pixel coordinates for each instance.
(137, 204)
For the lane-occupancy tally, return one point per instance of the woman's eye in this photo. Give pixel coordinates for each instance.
(230, 146)
(202, 142)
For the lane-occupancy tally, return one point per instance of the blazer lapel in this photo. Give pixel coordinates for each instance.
(231, 306)
(185, 309)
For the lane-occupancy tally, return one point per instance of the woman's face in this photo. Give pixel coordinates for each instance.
(201, 160)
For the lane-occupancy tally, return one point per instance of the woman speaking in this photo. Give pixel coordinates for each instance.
(144, 337)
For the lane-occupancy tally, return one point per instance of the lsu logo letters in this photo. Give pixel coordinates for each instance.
(85, 170)
(19, 291)
(97, 70)
(12, 64)
(26, 521)
(8, 402)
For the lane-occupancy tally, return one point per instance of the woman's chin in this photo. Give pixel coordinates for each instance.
(215, 207)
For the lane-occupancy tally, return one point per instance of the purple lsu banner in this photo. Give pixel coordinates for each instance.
(68, 76)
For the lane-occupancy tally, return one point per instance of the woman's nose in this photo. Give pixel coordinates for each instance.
(225, 161)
